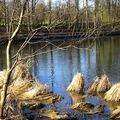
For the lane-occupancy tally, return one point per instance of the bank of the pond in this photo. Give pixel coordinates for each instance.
(57, 37)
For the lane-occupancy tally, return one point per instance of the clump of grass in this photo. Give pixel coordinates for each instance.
(113, 95)
(93, 87)
(104, 84)
(77, 84)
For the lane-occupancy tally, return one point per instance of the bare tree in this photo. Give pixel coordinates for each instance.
(77, 10)
(8, 61)
(96, 4)
(85, 4)
(50, 10)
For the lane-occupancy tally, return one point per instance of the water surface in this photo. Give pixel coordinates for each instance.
(56, 68)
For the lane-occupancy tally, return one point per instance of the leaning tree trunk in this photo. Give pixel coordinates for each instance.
(8, 61)
(7, 76)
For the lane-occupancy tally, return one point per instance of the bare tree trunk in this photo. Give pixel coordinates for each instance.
(85, 3)
(96, 2)
(33, 5)
(5, 85)
(5, 16)
(77, 10)
(28, 18)
(109, 9)
(8, 58)
(50, 12)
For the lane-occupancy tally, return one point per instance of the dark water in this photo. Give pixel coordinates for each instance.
(57, 67)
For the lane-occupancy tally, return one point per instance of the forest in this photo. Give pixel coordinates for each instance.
(62, 16)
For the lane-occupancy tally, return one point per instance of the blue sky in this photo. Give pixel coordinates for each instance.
(80, 2)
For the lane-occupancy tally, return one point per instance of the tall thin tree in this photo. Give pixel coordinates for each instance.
(8, 61)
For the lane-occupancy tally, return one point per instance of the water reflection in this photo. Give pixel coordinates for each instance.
(77, 98)
(2, 58)
(107, 58)
(56, 68)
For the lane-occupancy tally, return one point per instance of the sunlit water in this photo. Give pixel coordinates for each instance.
(56, 68)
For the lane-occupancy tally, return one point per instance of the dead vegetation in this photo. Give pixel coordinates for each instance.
(2, 75)
(101, 88)
(113, 95)
(100, 85)
(115, 114)
(104, 84)
(93, 88)
(77, 98)
(88, 108)
(53, 114)
(23, 88)
(77, 84)
(83, 107)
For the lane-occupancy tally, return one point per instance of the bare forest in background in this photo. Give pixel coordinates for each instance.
(66, 16)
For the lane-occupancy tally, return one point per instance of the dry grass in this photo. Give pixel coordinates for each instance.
(104, 84)
(93, 88)
(77, 98)
(83, 107)
(115, 114)
(77, 84)
(51, 113)
(19, 86)
(24, 87)
(21, 71)
(113, 95)
(2, 76)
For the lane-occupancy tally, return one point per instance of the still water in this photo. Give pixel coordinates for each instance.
(56, 68)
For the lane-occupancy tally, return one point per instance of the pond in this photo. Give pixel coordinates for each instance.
(56, 67)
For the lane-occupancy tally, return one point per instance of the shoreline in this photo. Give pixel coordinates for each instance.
(57, 37)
